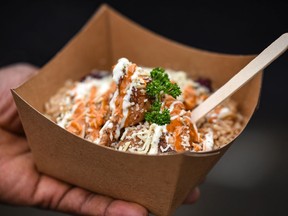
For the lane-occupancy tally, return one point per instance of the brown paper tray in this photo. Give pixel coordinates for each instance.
(160, 183)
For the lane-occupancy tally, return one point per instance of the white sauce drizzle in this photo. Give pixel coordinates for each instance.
(118, 69)
(158, 130)
(126, 100)
(224, 112)
(166, 148)
(208, 141)
(171, 108)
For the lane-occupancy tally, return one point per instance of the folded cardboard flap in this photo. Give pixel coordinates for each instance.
(89, 49)
(159, 183)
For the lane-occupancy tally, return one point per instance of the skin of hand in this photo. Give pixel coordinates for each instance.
(20, 182)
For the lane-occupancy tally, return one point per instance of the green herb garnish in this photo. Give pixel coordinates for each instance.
(155, 89)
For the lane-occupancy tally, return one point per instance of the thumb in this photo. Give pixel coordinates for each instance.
(11, 77)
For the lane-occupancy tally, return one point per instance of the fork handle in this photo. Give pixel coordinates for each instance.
(266, 57)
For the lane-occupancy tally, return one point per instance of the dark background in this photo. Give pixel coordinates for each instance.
(251, 178)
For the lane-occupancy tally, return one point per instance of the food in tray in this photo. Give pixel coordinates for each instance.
(143, 110)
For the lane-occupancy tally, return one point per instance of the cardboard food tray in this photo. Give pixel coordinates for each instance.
(160, 183)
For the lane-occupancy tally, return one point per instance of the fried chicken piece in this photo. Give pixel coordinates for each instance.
(129, 102)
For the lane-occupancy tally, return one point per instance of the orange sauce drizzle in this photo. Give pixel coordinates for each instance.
(181, 125)
(97, 113)
(190, 98)
(176, 126)
(92, 114)
(194, 136)
(122, 92)
(78, 123)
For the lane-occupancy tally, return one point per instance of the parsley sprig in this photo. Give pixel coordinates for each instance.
(159, 86)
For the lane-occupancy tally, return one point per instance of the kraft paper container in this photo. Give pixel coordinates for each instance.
(160, 183)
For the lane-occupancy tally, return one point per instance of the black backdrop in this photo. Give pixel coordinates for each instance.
(33, 31)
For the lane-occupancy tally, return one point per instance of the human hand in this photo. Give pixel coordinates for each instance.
(22, 184)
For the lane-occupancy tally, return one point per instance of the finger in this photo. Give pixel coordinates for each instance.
(59, 196)
(193, 196)
(9, 119)
(11, 145)
(118, 207)
(11, 77)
